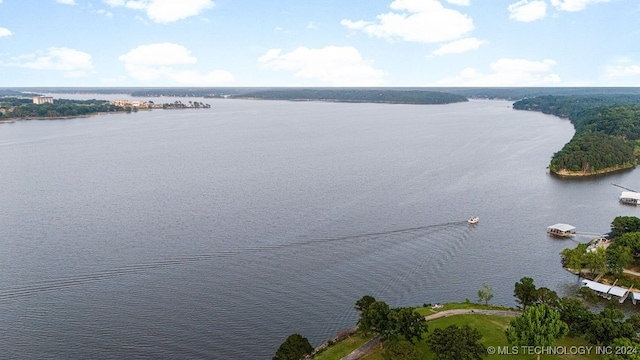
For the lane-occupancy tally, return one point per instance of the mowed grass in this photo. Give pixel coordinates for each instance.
(426, 311)
(492, 328)
(343, 348)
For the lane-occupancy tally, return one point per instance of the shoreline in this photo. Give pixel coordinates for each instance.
(574, 174)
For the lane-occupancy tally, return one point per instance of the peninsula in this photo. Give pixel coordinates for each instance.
(607, 136)
(42, 107)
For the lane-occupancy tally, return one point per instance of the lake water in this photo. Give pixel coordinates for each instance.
(216, 233)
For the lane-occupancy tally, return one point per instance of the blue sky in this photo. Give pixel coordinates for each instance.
(319, 43)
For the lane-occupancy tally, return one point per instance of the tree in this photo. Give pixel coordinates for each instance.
(547, 296)
(525, 292)
(625, 349)
(400, 350)
(364, 303)
(485, 294)
(456, 343)
(408, 323)
(624, 224)
(618, 258)
(573, 259)
(575, 314)
(294, 348)
(596, 261)
(539, 325)
(376, 319)
(630, 240)
(607, 326)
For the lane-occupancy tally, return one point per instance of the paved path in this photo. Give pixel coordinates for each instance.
(363, 350)
(631, 272)
(369, 345)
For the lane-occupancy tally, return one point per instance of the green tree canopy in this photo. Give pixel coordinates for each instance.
(376, 318)
(539, 325)
(456, 343)
(596, 261)
(576, 315)
(609, 325)
(294, 348)
(525, 292)
(624, 224)
(624, 349)
(547, 296)
(408, 323)
(485, 293)
(400, 350)
(364, 303)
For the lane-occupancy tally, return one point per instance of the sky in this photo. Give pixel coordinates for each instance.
(332, 43)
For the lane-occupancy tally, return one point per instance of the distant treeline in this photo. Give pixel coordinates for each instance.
(518, 93)
(17, 108)
(506, 93)
(607, 131)
(357, 95)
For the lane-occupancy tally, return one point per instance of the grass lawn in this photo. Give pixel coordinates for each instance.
(343, 348)
(492, 328)
(452, 306)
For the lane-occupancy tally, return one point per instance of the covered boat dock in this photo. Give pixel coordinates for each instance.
(563, 230)
(600, 289)
(607, 291)
(630, 197)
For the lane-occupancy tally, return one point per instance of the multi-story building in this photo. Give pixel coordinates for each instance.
(42, 100)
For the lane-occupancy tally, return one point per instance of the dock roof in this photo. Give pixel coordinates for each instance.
(562, 227)
(596, 286)
(630, 195)
(617, 291)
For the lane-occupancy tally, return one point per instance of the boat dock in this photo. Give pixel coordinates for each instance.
(609, 291)
(562, 230)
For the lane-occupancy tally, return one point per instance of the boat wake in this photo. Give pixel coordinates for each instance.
(76, 280)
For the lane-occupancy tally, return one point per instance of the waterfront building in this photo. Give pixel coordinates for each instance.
(42, 100)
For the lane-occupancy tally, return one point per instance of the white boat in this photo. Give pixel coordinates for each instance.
(473, 220)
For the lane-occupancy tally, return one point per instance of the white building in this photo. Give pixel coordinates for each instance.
(42, 100)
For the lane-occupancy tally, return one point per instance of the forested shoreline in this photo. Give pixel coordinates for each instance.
(357, 95)
(24, 108)
(607, 134)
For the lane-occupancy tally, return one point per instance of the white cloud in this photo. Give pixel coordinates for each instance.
(165, 11)
(459, 46)
(507, 72)
(164, 62)
(72, 63)
(158, 54)
(106, 13)
(5, 32)
(425, 21)
(527, 10)
(331, 65)
(460, 2)
(621, 72)
(67, 2)
(574, 5)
